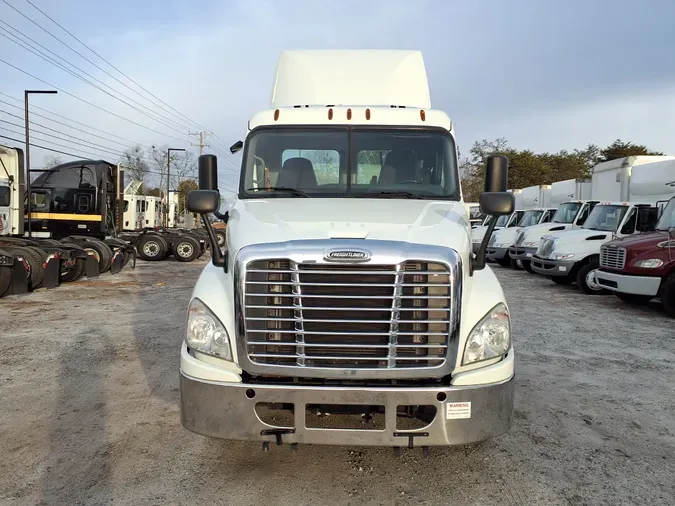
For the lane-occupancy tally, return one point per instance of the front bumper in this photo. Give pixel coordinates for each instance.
(637, 285)
(520, 253)
(496, 253)
(547, 267)
(227, 410)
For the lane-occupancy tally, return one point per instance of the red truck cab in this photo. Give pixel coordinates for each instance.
(641, 267)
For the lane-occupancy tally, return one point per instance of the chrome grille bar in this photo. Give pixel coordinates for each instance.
(613, 258)
(300, 314)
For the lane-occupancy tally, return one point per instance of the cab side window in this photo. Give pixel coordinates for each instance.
(629, 225)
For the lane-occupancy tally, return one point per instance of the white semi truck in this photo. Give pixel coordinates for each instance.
(571, 198)
(348, 288)
(640, 185)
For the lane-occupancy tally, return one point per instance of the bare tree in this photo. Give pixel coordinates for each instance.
(183, 166)
(134, 164)
(52, 161)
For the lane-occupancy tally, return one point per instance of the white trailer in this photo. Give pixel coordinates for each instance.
(573, 255)
(536, 197)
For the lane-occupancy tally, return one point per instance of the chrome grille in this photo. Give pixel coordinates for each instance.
(545, 248)
(613, 258)
(519, 238)
(348, 316)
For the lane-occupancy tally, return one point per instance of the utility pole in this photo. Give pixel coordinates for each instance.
(202, 144)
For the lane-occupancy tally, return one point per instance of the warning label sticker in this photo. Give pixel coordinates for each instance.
(454, 410)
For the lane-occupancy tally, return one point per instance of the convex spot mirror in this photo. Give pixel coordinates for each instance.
(203, 201)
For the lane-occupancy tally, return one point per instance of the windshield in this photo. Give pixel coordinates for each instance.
(502, 220)
(356, 162)
(4, 196)
(605, 217)
(530, 218)
(566, 212)
(667, 219)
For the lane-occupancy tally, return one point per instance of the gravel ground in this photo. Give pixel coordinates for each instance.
(90, 410)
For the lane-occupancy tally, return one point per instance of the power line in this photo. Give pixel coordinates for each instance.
(64, 117)
(74, 50)
(168, 122)
(85, 101)
(177, 113)
(45, 148)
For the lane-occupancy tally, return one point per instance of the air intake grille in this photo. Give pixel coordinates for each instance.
(545, 248)
(613, 258)
(347, 316)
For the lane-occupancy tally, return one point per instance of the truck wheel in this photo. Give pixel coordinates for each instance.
(561, 280)
(101, 251)
(75, 273)
(586, 281)
(5, 280)
(667, 294)
(515, 264)
(504, 262)
(152, 247)
(631, 298)
(527, 265)
(36, 272)
(187, 249)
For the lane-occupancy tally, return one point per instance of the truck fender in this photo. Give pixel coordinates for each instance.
(19, 277)
(52, 268)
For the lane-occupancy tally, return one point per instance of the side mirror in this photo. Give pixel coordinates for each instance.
(497, 203)
(205, 202)
(208, 172)
(236, 147)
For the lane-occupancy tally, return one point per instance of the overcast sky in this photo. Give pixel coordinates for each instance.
(545, 75)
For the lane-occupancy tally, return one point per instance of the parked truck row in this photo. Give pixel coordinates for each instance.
(74, 220)
(614, 234)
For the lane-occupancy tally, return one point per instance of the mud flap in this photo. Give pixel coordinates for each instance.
(19, 278)
(52, 270)
(91, 267)
(117, 261)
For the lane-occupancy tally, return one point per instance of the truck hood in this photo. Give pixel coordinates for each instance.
(534, 232)
(505, 237)
(640, 242)
(579, 236)
(416, 221)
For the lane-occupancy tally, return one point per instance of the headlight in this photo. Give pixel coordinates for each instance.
(561, 256)
(532, 244)
(651, 263)
(490, 338)
(205, 333)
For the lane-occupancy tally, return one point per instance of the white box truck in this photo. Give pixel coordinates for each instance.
(574, 255)
(347, 307)
(478, 232)
(571, 197)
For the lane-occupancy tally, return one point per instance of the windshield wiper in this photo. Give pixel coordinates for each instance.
(280, 189)
(405, 194)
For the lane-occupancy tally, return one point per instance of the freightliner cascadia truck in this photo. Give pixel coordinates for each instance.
(347, 306)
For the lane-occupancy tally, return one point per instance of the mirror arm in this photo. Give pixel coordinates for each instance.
(478, 261)
(217, 257)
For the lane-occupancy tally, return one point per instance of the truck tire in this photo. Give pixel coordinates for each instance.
(527, 265)
(75, 273)
(667, 294)
(186, 249)
(584, 281)
(36, 272)
(101, 251)
(152, 247)
(631, 298)
(5, 280)
(514, 264)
